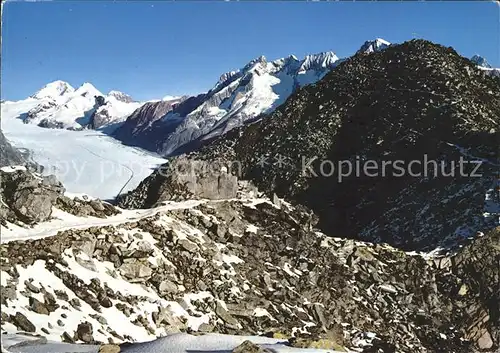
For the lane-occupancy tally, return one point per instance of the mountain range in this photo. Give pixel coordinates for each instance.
(59, 105)
(176, 125)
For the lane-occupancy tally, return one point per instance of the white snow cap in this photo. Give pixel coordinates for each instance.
(371, 46)
(480, 61)
(116, 93)
(87, 89)
(121, 96)
(316, 61)
(170, 98)
(53, 90)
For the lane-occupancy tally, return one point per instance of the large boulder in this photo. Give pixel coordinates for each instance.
(250, 347)
(84, 332)
(29, 197)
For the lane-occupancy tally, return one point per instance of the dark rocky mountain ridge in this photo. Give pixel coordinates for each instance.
(140, 121)
(401, 103)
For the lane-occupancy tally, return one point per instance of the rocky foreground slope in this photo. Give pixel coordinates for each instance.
(249, 266)
(412, 102)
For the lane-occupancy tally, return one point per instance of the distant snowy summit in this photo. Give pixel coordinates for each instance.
(371, 46)
(122, 97)
(59, 105)
(480, 61)
(483, 64)
(54, 90)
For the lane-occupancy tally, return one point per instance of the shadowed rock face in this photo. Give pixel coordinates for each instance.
(412, 102)
(8, 154)
(183, 179)
(100, 115)
(137, 124)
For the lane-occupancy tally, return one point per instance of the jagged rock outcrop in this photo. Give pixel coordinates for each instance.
(249, 347)
(27, 197)
(33, 113)
(411, 102)
(478, 265)
(182, 179)
(100, 116)
(85, 208)
(247, 267)
(50, 124)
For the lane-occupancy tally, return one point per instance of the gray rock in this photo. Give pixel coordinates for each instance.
(187, 245)
(38, 307)
(8, 154)
(22, 323)
(84, 332)
(31, 287)
(109, 348)
(180, 179)
(249, 347)
(230, 321)
(135, 271)
(167, 287)
(29, 197)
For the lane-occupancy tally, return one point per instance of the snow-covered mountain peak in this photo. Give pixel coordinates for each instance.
(61, 106)
(226, 77)
(122, 97)
(257, 61)
(480, 61)
(371, 46)
(53, 90)
(88, 90)
(318, 61)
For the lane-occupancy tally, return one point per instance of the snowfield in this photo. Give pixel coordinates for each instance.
(176, 343)
(86, 162)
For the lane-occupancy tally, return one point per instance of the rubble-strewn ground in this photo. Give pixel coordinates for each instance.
(247, 267)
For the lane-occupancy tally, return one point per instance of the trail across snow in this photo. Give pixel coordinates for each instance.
(88, 162)
(63, 221)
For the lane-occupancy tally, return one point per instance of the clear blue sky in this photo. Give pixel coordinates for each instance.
(151, 49)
